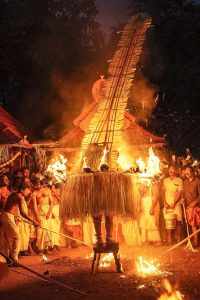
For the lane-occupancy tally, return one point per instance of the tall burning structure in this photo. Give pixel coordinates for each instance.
(105, 127)
(114, 192)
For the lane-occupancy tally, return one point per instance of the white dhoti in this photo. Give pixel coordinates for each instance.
(11, 233)
(55, 226)
(131, 233)
(33, 230)
(43, 236)
(24, 231)
(148, 225)
(89, 231)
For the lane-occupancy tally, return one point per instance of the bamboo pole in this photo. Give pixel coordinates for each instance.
(17, 264)
(180, 243)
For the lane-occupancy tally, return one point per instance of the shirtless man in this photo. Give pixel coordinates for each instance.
(4, 191)
(43, 197)
(15, 203)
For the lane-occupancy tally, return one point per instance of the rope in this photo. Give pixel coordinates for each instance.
(17, 264)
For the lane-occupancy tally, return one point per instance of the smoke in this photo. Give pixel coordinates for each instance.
(70, 97)
(143, 98)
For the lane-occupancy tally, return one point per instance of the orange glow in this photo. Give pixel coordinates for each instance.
(105, 261)
(103, 158)
(58, 168)
(170, 294)
(145, 267)
(84, 162)
(152, 167)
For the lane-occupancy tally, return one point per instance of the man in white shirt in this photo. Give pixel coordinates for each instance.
(172, 188)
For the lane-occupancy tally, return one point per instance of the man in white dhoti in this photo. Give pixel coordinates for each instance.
(55, 219)
(4, 193)
(148, 221)
(44, 200)
(15, 204)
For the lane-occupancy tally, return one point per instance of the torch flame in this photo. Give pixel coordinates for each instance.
(57, 168)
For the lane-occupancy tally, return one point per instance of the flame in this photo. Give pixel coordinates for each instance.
(44, 258)
(122, 161)
(103, 158)
(84, 162)
(105, 261)
(58, 168)
(141, 164)
(88, 256)
(170, 294)
(145, 267)
(152, 167)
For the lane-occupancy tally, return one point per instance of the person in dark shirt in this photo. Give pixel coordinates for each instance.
(191, 195)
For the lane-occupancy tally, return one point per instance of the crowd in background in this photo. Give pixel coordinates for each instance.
(29, 210)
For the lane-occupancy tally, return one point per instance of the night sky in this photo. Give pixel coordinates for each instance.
(111, 12)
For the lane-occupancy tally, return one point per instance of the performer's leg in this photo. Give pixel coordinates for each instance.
(109, 227)
(97, 225)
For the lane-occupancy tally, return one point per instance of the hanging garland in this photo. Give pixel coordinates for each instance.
(8, 162)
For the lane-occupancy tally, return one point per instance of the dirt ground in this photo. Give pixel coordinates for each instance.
(71, 267)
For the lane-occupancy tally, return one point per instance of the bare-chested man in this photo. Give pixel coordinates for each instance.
(43, 197)
(4, 193)
(15, 204)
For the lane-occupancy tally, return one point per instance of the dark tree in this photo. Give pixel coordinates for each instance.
(47, 48)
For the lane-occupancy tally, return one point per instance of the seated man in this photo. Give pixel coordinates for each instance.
(15, 203)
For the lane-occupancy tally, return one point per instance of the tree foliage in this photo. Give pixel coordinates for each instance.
(171, 64)
(47, 47)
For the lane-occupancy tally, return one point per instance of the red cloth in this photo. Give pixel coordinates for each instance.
(193, 216)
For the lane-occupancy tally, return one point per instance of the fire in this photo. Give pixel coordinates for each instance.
(58, 168)
(170, 294)
(84, 162)
(145, 267)
(105, 261)
(152, 167)
(103, 158)
(141, 164)
(44, 258)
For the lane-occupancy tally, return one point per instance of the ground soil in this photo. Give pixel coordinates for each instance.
(71, 267)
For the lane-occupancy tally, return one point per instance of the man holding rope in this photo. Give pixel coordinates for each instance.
(15, 203)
